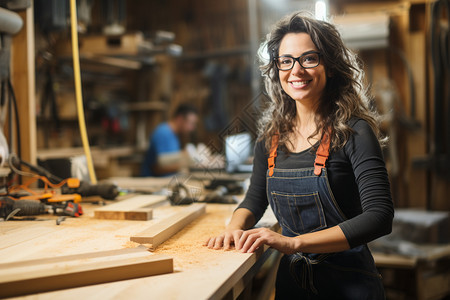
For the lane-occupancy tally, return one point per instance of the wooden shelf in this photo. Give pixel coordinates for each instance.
(147, 106)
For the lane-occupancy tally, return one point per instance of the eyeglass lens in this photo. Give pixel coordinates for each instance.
(310, 60)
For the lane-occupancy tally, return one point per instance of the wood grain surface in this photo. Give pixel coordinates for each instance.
(136, 208)
(161, 231)
(50, 274)
(199, 272)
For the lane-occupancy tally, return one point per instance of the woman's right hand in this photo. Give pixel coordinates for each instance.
(242, 219)
(226, 240)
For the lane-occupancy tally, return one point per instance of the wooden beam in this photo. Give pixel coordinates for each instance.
(417, 140)
(23, 81)
(43, 275)
(162, 231)
(126, 44)
(394, 261)
(136, 208)
(112, 61)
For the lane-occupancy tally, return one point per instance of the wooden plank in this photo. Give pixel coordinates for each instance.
(25, 233)
(136, 208)
(112, 61)
(160, 232)
(236, 284)
(417, 140)
(126, 44)
(149, 184)
(43, 275)
(394, 260)
(75, 235)
(199, 272)
(23, 81)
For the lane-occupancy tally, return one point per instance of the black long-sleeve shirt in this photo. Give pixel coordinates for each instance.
(358, 180)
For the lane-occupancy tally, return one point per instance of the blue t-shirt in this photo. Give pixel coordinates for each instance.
(162, 141)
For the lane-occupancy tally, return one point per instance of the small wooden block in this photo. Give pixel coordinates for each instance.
(162, 231)
(136, 208)
(43, 275)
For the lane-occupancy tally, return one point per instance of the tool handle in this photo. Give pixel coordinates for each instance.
(106, 191)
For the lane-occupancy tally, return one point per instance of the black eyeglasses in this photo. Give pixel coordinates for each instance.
(308, 60)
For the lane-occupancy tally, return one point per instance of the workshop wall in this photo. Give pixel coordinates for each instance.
(405, 71)
(214, 73)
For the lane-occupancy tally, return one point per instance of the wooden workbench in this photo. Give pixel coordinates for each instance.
(200, 273)
(425, 277)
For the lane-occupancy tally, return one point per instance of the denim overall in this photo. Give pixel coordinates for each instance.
(302, 201)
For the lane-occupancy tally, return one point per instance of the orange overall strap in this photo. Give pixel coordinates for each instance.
(322, 153)
(273, 154)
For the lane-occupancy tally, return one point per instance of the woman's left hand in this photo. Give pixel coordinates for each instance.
(253, 239)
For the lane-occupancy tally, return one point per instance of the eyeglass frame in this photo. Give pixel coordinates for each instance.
(297, 59)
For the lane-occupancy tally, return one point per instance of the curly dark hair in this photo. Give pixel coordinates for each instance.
(344, 97)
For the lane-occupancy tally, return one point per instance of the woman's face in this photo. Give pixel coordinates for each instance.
(304, 85)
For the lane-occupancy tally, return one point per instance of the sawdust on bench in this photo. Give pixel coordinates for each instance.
(186, 247)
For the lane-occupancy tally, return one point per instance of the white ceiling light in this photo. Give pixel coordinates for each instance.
(321, 10)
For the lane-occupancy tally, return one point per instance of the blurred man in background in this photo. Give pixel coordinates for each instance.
(164, 156)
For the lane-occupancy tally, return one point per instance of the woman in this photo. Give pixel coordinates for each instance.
(319, 165)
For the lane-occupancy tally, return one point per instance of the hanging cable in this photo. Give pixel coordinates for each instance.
(78, 94)
(13, 101)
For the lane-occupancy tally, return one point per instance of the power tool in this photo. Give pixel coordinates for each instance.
(15, 203)
(9, 208)
(73, 185)
(180, 195)
(85, 189)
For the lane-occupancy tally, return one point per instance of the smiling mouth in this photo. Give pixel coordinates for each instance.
(298, 84)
